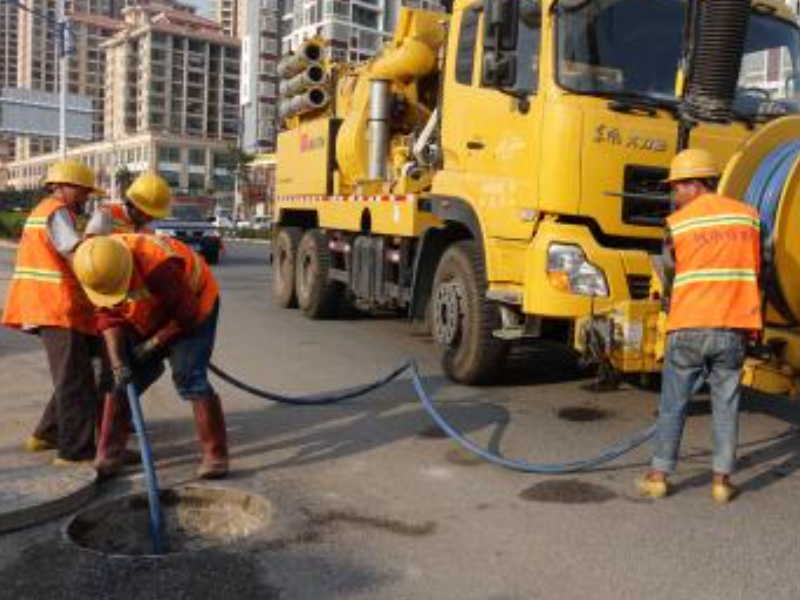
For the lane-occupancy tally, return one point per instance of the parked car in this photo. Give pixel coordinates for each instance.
(262, 223)
(188, 224)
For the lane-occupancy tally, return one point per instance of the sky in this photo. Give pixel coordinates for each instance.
(203, 7)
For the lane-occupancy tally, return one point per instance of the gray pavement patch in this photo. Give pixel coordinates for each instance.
(54, 571)
(30, 495)
(567, 491)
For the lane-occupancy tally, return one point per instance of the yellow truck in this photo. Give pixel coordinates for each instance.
(496, 172)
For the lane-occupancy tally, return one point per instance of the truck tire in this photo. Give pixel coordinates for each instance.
(212, 256)
(463, 319)
(284, 254)
(317, 296)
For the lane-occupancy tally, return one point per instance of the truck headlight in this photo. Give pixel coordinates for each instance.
(165, 232)
(569, 271)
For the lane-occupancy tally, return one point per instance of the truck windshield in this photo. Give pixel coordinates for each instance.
(632, 48)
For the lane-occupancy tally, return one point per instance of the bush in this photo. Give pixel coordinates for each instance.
(247, 233)
(11, 223)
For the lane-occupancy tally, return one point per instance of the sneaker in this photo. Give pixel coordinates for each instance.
(37, 444)
(652, 489)
(722, 493)
(65, 462)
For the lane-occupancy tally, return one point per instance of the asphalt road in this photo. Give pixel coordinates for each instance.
(372, 503)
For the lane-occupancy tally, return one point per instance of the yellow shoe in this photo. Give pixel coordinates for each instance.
(652, 489)
(65, 462)
(35, 444)
(722, 493)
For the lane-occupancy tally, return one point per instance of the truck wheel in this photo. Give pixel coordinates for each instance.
(284, 253)
(463, 319)
(317, 296)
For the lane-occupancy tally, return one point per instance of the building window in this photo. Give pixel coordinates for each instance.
(173, 178)
(197, 156)
(169, 154)
(197, 181)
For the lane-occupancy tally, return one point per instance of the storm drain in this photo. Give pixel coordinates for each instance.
(195, 517)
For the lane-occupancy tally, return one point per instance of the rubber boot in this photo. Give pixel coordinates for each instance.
(210, 424)
(113, 437)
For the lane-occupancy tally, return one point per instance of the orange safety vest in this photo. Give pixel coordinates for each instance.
(121, 221)
(717, 261)
(44, 290)
(141, 308)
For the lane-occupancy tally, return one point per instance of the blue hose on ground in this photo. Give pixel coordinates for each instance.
(156, 518)
(606, 455)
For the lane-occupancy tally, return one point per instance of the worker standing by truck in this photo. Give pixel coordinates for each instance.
(146, 199)
(714, 306)
(45, 298)
(156, 298)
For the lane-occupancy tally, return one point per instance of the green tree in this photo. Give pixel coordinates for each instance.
(123, 177)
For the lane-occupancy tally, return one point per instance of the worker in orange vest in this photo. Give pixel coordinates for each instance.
(713, 242)
(146, 199)
(155, 298)
(45, 298)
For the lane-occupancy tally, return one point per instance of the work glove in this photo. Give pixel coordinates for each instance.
(122, 377)
(100, 223)
(147, 350)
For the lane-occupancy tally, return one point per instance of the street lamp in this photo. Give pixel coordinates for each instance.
(64, 47)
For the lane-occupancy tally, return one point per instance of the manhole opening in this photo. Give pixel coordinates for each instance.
(582, 413)
(195, 518)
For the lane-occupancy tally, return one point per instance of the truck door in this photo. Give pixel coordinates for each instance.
(489, 133)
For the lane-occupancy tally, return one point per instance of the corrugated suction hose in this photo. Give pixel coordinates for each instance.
(718, 49)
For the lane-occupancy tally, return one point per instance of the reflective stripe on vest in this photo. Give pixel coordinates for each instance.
(715, 221)
(699, 275)
(43, 290)
(37, 274)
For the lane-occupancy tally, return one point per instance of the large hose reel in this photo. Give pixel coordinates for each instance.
(765, 173)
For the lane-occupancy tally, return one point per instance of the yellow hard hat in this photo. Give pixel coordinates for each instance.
(72, 172)
(103, 266)
(150, 193)
(694, 163)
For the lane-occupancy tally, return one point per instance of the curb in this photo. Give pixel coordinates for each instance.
(8, 244)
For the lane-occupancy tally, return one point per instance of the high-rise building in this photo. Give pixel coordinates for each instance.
(227, 14)
(8, 64)
(356, 30)
(260, 21)
(171, 71)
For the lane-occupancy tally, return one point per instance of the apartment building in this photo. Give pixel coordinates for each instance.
(171, 103)
(355, 29)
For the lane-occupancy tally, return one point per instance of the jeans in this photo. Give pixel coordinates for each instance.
(188, 358)
(716, 355)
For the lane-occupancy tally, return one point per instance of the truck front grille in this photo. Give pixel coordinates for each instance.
(645, 200)
(639, 286)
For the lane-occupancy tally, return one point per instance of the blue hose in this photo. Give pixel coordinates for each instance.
(606, 455)
(157, 533)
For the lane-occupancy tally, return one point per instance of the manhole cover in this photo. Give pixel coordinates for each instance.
(567, 491)
(195, 517)
(582, 413)
(30, 495)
